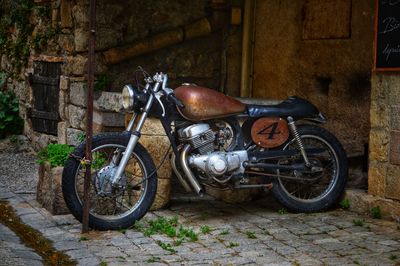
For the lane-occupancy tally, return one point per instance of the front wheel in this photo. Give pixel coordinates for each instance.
(111, 207)
(312, 191)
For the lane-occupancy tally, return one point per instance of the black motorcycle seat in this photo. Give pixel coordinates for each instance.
(292, 106)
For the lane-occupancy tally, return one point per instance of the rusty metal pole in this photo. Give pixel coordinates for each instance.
(89, 115)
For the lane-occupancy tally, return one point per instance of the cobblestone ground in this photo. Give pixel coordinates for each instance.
(251, 233)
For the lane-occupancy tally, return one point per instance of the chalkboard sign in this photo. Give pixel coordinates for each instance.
(387, 35)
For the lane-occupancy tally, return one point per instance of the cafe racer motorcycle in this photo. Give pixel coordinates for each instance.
(217, 142)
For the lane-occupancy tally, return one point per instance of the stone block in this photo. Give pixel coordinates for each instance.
(379, 145)
(108, 119)
(77, 117)
(80, 15)
(109, 101)
(77, 95)
(65, 14)
(49, 192)
(151, 126)
(394, 155)
(379, 114)
(157, 146)
(163, 194)
(81, 39)
(66, 42)
(64, 83)
(75, 65)
(62, 132)
(376, 178)
(395, 117)
(392, 182)
(73, 136)
(361, 202)
(62, 104)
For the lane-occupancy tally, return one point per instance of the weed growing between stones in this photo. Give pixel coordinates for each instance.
(32, 238)
(358, 222)
(205, 229)
(282, 211)
(171, 228)
(393, 257)
(232, 245)
(344, 204)
(153, 259)
(224, 232)
(376, 212)
(251, 234)
(83, 238)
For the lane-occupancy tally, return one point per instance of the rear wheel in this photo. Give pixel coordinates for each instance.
(314, 190)
(110, 207)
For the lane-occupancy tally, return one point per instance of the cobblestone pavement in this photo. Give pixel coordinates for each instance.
(250, 233)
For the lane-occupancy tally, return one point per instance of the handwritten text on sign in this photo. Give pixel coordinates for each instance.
(387, 54)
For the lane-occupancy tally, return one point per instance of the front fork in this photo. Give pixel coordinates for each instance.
(133, 140)
(299, 142)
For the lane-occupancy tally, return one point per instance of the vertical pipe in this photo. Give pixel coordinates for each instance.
(89, 115)
(247, 48)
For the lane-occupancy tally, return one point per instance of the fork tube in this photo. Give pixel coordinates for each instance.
(133, 140)
(132, 122)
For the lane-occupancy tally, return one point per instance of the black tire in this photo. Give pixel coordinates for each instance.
(99, 217)
(293, 200)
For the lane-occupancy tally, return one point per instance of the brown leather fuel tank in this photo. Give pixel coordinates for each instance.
(203, 103)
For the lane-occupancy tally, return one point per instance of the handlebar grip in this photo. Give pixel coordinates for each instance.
(171, 97)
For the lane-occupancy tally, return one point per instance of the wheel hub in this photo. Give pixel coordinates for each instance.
(102, 181)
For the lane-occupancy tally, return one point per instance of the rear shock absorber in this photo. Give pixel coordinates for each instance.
(296, 135)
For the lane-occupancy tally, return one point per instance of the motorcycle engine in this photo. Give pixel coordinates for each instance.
(206, 157)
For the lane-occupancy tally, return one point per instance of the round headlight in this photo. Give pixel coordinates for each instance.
(128, 97)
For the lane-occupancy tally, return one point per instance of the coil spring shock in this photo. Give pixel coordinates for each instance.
(299, 142)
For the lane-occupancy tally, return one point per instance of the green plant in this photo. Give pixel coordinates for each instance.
(166, 246)
(251, 234)
(138, 225)
(153, 259)
(81, 137)
(282, 211)
(376, 212)
(122, 231)
(232, 244)
(187, 233)
(205, 229)
(344, 204)
(224, 232)
(102, 82)
(103, 263)
(162, 225)
(10, 121)
(55, 154)
(358, 222)
(178, 242)
(98, 160)
(83, 238)
(393, 257)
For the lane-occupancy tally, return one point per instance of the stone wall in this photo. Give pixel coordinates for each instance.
(384, 156)
(119, 24)
(322, 51)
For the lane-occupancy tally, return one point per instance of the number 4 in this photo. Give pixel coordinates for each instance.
(272, 131)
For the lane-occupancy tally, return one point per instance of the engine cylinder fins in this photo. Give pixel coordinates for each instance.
(199, 136)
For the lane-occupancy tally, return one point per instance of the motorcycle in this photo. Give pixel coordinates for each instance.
(217, 142)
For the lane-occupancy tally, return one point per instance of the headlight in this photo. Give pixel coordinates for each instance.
(128, 97)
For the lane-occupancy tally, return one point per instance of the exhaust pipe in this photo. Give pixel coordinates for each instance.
(193, 181)
(178, 174)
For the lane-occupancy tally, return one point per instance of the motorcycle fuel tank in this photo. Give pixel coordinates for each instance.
(203, 103)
